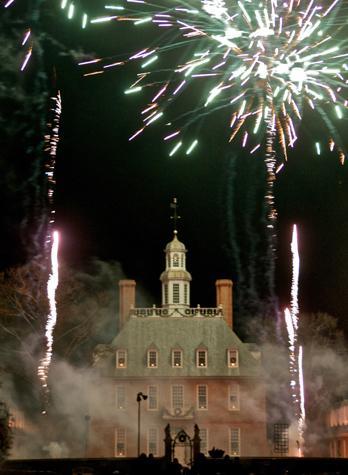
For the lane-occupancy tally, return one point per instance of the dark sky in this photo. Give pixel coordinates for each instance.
(112, 197)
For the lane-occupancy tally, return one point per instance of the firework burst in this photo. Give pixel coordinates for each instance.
(262, 61)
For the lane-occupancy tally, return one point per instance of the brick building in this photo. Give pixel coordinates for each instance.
(189, 364)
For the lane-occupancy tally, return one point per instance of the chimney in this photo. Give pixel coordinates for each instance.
(224, 298)
(127, 299)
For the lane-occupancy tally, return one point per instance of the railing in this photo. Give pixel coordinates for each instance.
(183, 312)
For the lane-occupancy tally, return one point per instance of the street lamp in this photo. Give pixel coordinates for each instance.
(140, 397)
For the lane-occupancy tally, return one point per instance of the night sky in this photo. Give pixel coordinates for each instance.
(112, 197)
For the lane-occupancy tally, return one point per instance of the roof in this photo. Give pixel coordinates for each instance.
(187, 333)
(175, 245)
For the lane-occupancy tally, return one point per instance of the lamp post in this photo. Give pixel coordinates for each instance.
(140, 397)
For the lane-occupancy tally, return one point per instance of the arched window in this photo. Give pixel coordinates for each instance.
(176, 260)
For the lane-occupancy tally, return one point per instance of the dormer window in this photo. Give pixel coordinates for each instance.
(121, 359)
(152, 359)
(176, 260)
(201, 358)
(177, 358)
(232, 358)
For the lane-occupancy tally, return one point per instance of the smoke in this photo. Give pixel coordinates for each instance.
(87, 316)
(246, 238)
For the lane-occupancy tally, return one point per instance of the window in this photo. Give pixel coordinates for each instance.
(152, 441)
(177, 396)
(175, 260)
(182, 260)
(233, 397)
(176, 293)
(203, 434)
(120, 396)
(152, 359)
(121, 359)
(232, 358)
(202, 396)
(177, 358)
(202, 358)
(120, 442)
(166, 294)
(186, 293)
(235, 441)
(152, 401)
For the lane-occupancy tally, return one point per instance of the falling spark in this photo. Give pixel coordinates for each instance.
(52, 285)
(295, 350)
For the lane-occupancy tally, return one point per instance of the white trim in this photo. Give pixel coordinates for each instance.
(123, 365)
(236, 386)
(149, 450)
(149, 397)
(231, 452)
(152, 365)
(205, 408)
(198, 350)
(117, 434)
(181, 358)
(232, 352)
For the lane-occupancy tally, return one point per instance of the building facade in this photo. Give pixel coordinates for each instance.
(337, 423)
(178, 365)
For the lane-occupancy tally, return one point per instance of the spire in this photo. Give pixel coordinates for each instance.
(175, 217)
(175, 279)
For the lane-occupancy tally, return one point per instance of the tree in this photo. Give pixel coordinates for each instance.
(5, 432)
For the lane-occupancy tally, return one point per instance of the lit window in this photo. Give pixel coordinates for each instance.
(152, 441)
(152, 359)
(177, 396)
(202, 396)
(177, 358)
(235, 441)
(120, 442)
(121, 359)
(201, 358)
(120, 397)
(232, 358)
(203, 434)
(233, 397)
(175, 260)
(176, 293)
(152, 401)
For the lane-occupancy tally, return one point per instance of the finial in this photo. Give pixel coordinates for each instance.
(175, 217)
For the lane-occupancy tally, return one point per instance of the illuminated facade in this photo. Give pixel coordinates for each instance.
(337, 422)
(191, 366)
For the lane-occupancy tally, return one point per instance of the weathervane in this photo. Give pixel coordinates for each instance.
(175, 217)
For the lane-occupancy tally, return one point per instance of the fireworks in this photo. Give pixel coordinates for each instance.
(51, 140)
(262, 61)
(295, 350)
(52, 285)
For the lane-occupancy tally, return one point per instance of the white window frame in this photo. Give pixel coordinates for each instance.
(152, 435)
(177, 350)
(120, 432)
(149, 357)
(176, 260)
(152, 392)
(234, 389)
(119, 352)
(198, 351)
(204, 430)
(119, 388)
(176, 292)
(230, 353)
(177, 404)
(202, 407)
(236, 430)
